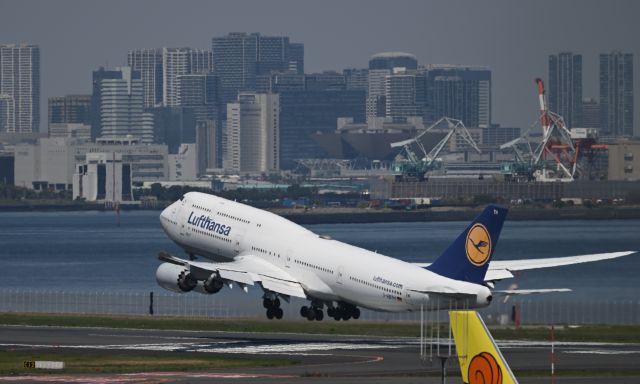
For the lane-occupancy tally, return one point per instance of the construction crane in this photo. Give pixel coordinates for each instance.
(409, 164)
(555, 158)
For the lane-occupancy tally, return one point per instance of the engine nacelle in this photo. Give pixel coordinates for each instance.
(213, 284)
(175, 278)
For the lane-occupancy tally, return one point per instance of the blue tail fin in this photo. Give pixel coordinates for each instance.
(467, 258)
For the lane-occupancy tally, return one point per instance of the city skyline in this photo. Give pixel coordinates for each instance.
(513, 40)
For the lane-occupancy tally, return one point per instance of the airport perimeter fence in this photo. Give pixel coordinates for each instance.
(240, 305)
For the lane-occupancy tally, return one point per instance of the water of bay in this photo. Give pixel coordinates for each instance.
(80, 251)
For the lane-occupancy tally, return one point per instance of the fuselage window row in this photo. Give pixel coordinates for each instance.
(327, 270)
(375, 286)
(212, 235)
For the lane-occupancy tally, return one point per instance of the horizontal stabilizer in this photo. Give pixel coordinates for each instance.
(515, 292)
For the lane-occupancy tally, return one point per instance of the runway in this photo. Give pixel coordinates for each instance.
(321, 357)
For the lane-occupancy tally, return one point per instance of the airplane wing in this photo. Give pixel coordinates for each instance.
(521, 265)
(503, 269)
(246, 270)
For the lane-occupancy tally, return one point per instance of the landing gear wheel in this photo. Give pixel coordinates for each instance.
(266, 303)
(356, 313)
(311, 314)
(304, 310)
(278, 313)
(270, 313)
(319, 314)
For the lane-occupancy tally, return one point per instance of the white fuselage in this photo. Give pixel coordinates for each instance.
(327, 269)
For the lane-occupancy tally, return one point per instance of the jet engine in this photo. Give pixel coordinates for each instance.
(175, 278)
(210, 286)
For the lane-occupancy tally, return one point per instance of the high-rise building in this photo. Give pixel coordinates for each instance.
(460, 92)
(240, 57)
(306, 112)
(276, 82)
(96, 99)
(70, 109)
(376, 99)
(121, 107)
(381, 66)
(208, 147)
(357, 78)
(590, 113)
(253, 133)
(6, 111)
(149, 63)
(20, 87)
(616, 94)
(390, 60)
(296, 58)
(200, 92)
(401, 97)
(565, 87)
(328, 80)
(181, 61)
(173, 126)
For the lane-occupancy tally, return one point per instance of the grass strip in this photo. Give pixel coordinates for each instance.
(12, 362)
(595, 333)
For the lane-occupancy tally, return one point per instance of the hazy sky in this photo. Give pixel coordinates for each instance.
(513, 38)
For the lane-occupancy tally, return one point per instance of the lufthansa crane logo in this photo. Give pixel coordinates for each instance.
(478, 245)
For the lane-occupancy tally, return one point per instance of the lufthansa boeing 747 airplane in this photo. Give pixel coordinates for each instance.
(247, 246)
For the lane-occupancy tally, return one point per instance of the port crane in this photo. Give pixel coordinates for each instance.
(556, 157)
(409, 164)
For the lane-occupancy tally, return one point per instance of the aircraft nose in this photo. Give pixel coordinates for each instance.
(167, 215)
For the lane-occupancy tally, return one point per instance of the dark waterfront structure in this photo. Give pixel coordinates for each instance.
(565, 87)
(616, 94)
(303, 113)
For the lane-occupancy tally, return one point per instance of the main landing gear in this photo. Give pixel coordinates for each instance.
(343, 311)
(313, 312)
(273, 308)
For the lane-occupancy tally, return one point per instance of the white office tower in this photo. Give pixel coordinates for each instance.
(103, 177)
(253, 133)
(400, 94)
(183, 165)
(149, 63)
(376, 102)
(121, 107)
(181, 61)
(20, 88)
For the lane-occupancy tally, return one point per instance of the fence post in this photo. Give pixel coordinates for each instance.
(151, 303)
